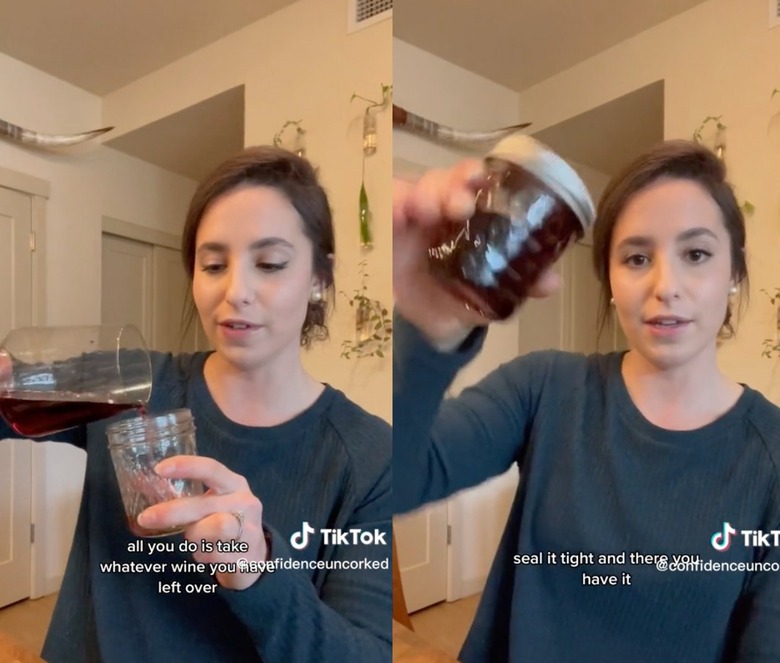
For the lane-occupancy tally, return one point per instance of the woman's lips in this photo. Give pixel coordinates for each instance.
(667, 329)
(237, 330)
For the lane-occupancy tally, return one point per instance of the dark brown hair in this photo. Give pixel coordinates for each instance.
(294, 177)
(674, 159)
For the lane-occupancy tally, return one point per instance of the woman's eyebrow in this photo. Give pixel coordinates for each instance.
(270, 241)
(643, 241)
(635, 240)
(218, 247)
(696, 232)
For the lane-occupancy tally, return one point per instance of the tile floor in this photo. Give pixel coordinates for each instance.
(445, 625)
(27, 621)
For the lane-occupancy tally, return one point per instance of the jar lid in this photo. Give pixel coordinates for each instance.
(550, 169)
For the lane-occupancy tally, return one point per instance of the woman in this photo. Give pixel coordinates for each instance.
(280, 454)
(652, 453)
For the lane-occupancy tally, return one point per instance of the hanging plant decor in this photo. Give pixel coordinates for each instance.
(373, 324)
(298, 146)
(719, 140)
(718, 145)
(772, 346)
(369, 148)
(773, 129)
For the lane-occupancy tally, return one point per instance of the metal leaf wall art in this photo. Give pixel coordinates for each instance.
(28, 137)
(416, 124)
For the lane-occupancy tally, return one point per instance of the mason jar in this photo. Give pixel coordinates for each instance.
(531, 207)
(136, 446)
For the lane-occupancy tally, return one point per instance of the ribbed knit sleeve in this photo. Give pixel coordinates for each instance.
(443, 446)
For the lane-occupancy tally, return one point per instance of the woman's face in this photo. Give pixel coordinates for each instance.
(253, 276)
(670, 272)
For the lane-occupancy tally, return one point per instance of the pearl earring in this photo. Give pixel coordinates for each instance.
(316, 296)
(733, 290)
(612, 301)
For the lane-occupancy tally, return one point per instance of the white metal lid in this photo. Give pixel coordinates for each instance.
(552, 170)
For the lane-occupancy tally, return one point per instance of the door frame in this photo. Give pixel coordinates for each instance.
(127, 230)
(39, 191)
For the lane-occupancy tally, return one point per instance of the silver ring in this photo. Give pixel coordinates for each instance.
(239, 516)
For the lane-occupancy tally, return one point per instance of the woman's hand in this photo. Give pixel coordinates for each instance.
(214, 517)
(419, 209)
(6, 371)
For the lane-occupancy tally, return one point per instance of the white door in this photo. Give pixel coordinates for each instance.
(145, 284)
(170, 314)
(15, 455)
(127, 284)
(421, 539)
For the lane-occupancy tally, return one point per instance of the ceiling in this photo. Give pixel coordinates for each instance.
(608, 136)
(523, 42)
(192, 141)
(101, 46)
(519, 43)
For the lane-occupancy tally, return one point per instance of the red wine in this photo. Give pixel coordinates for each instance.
(135, 528)
(491, 262)
(31, 416)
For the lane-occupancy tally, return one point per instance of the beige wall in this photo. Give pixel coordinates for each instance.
(301, 63)
(86, 183)
(718, 58)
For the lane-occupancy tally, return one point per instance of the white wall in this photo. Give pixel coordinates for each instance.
(85, 183)
(300, 63)
(719, 58)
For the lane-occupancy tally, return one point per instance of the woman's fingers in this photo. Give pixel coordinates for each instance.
(227, 492)
(186, 510)
(548, 284)
(6, 369)
(219, 528)
(214, 474)
(440, 195)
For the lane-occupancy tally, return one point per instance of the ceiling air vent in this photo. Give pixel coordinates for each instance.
(363, 13)
(774, 13)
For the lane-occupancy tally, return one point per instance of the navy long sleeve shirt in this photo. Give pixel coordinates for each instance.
(597, 478)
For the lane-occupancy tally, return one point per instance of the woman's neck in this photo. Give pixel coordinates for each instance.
(679, 398)
(267, 396)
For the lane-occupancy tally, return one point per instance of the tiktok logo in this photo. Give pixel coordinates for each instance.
(722, 540)
(299, 540)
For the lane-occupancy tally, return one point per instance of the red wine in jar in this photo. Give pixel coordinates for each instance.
(491, 262)
(31, 416)
(137, 530)
(530, 206)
